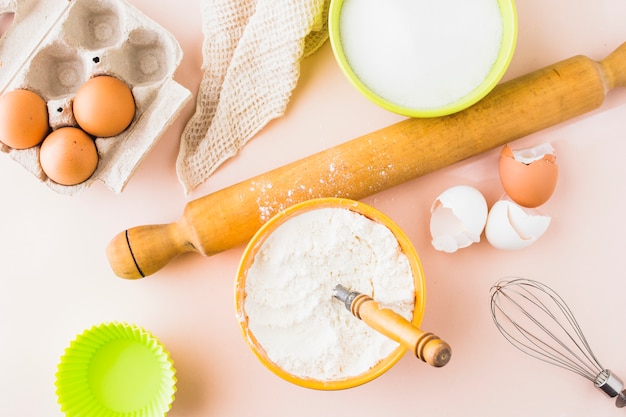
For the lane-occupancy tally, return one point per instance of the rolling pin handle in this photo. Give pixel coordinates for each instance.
(141, 251)
(614, 68)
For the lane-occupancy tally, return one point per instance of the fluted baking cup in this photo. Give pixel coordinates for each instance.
(115, 369)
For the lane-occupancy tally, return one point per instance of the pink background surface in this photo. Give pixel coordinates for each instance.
(56, 280)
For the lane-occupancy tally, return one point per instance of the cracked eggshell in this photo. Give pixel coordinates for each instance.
(511, 227)
(528, 176)
(458, 217)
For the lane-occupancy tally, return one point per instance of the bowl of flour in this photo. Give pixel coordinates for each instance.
(423, 58)
(284, 292)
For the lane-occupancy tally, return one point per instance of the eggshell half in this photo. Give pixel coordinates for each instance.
(458, 217)
(511, 227)
(528, 176)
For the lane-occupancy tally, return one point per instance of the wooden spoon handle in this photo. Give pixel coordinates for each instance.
(426, 346)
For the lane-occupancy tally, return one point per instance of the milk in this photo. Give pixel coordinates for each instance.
(421, 54)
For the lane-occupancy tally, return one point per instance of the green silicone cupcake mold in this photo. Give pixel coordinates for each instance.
(115, 370)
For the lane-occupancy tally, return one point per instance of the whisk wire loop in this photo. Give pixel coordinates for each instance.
(537, 321)
(546, 332)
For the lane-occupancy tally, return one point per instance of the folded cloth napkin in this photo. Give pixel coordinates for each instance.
(252, 51)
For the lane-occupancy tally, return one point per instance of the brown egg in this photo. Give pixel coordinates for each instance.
(530, 178)
(68, 156)
(23, 119)
(104, 106)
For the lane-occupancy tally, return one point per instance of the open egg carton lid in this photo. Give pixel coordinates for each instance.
(53, 46)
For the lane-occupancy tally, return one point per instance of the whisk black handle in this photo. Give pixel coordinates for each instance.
(621, 399)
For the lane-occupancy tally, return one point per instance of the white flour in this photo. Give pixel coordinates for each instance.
(289, 292)
(421, 53)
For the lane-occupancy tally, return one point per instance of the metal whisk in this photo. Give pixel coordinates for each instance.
(536, 320)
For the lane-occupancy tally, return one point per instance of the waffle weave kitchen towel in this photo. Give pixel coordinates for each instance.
(252, 52)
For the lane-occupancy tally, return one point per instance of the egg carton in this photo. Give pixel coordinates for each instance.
(53, 46)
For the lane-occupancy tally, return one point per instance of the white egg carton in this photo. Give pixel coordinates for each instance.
(54, 46)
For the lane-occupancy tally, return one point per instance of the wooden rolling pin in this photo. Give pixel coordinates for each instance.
(424, 345)
(373, 162)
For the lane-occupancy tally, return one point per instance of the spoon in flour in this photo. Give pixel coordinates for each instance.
(426, 346)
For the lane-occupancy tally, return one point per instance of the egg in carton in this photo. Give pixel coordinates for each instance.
(54, 46)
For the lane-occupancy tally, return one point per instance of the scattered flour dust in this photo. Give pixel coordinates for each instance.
(289, 292)
(421, 53)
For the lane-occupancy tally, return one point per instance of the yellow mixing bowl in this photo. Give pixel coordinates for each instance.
(257, 242)
(508, 15)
